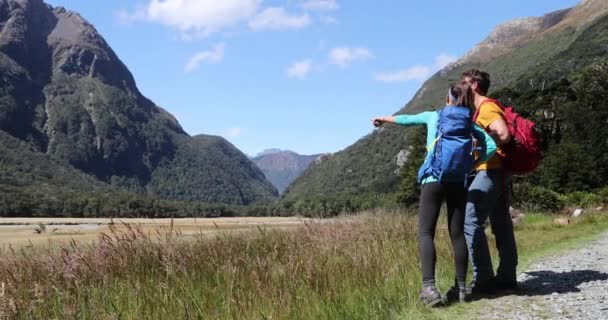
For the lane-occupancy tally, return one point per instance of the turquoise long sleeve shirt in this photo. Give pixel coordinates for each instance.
(431, 120)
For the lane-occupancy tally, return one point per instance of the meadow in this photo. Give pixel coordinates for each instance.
(354, 267)
(55, 232)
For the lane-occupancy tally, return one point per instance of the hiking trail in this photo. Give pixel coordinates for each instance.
(568, 285)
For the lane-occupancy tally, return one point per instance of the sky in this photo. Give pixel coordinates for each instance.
(301, 75)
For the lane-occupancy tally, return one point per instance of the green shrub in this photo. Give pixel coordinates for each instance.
(603, 194)
(534, 198)
(582, 199)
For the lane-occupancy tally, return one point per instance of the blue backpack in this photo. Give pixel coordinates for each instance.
(452, 158)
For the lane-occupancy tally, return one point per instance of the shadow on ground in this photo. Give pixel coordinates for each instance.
(543, 283)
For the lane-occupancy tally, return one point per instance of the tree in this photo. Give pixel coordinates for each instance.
(409, 189)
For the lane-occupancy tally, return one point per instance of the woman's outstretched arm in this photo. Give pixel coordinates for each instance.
(406, 119)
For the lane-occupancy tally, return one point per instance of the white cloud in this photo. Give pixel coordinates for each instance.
(345, 56)
(320, 5)
(200, 18)
(215, 55)
(299, 69)
(234, 132)
(443, 60)
(194, 16)
(418, 73)
(278, 18)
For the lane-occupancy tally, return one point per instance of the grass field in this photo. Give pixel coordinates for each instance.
(20, 232)
(363, 267)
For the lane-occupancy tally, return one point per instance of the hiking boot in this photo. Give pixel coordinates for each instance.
(456, 294)
(430, 296)
(487, 287)
(504, 285)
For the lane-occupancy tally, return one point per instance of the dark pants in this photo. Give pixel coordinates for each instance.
(432, 197)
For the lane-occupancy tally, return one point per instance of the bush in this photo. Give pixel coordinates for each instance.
(534, 198)
(582, 199)
(603, 194)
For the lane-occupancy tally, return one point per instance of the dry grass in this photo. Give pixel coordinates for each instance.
(20, 232)
(354, 268)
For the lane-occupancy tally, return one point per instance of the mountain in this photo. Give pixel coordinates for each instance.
(65, 93)
(525, 53)
(267, 152)
(281, 168)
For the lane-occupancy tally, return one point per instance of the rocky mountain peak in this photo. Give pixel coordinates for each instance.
(586, 11)
(47, 40)
(514, 33)
(591, 3)
(73, 28)
(511, 34)
(79, 49)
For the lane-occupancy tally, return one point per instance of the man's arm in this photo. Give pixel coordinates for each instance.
(499, 131)
(491, 118)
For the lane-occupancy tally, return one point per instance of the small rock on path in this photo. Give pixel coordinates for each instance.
(572, 285)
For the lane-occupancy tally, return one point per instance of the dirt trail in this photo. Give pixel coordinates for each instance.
(571, 285)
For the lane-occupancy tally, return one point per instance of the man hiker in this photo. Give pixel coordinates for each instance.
(443, 177)
(489, 197)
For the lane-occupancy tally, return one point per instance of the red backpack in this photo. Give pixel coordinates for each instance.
(522, 154)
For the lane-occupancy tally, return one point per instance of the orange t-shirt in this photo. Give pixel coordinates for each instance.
(489, 113)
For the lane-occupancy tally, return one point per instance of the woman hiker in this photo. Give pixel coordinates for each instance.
(451, 136)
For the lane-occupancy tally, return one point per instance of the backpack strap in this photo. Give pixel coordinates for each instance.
(439, 134)
(432, 145)
(488, 100)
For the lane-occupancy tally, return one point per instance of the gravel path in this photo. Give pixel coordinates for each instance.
(573, 285)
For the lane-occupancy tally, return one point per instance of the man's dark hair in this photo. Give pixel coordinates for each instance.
(482, 79)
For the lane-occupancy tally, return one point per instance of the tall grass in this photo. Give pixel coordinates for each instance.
(352, 268)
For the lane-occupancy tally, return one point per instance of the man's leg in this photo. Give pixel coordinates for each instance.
(481, 199)
(502, 228)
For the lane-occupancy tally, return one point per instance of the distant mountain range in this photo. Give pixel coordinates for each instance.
(529, 53)
(281, 168)
(72, 116)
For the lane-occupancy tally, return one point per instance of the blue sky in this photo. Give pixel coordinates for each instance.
(303, 75)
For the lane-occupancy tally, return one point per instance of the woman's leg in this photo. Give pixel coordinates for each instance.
(456, 198)
(431, 199)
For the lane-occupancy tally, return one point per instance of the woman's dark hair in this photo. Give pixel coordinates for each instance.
(461, 94)
(482, 79)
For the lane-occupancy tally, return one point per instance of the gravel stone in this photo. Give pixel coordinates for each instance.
(571, 285)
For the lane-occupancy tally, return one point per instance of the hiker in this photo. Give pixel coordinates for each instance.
(489, 197)
(443, 176)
